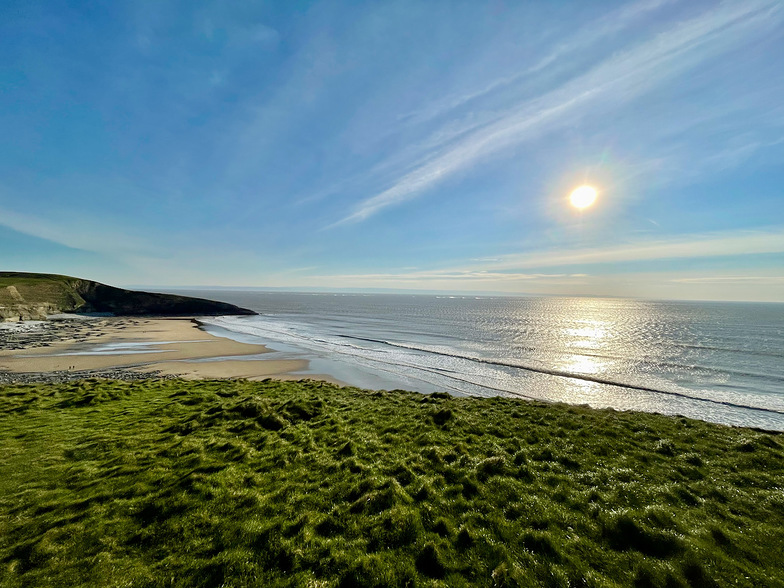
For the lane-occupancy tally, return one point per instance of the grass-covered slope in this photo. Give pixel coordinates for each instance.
(33, 296)
(172, 483)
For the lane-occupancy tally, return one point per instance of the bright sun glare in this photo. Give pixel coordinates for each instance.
(583, 197)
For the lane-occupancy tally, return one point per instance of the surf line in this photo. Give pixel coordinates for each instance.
(571, 375)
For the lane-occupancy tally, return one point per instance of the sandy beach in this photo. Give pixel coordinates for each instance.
(160, 346)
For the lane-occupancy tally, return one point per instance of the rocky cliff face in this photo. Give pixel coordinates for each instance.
(27, 312)
(33, 296)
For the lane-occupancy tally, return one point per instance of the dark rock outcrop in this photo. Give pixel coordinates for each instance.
(102, 298)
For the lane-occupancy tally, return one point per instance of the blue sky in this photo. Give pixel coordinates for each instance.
(418, 145)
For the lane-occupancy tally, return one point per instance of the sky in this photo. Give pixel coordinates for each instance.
(429, 146)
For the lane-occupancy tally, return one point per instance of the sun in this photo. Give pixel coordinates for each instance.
(583, 197)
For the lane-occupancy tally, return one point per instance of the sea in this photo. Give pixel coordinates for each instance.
(716, 361)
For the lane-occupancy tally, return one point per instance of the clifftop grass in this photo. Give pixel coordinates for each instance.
(172, 483)
(55, 291)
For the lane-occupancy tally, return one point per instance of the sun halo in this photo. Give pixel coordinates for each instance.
(583, 197)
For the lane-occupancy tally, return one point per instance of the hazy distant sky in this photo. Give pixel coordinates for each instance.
(399, 144)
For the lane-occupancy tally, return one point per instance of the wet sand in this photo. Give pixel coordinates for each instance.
(158, 346)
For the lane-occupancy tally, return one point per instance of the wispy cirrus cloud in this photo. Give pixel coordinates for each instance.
(605, 26)
(613, 82)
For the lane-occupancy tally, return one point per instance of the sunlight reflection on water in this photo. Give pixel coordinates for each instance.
(706, 360)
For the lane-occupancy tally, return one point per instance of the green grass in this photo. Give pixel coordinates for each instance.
(172, 483)
(39, 289)
(13, 278)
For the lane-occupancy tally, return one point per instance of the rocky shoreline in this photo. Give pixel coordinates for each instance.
(33, 335)
(67, 348)
(72, 376)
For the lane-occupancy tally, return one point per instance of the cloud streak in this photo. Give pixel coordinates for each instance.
(510, 267)
(424, 276)
(84, 234)
(732, 280)
(617, 80)
(726, 244)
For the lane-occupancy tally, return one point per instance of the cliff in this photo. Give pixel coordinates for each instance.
(26, 296)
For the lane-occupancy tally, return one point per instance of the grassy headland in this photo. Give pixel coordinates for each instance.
(173, 483)
(27, 296)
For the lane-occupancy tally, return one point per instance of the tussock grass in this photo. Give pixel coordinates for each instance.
(172, 483)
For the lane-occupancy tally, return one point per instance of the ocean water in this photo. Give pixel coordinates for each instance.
(721, 362)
